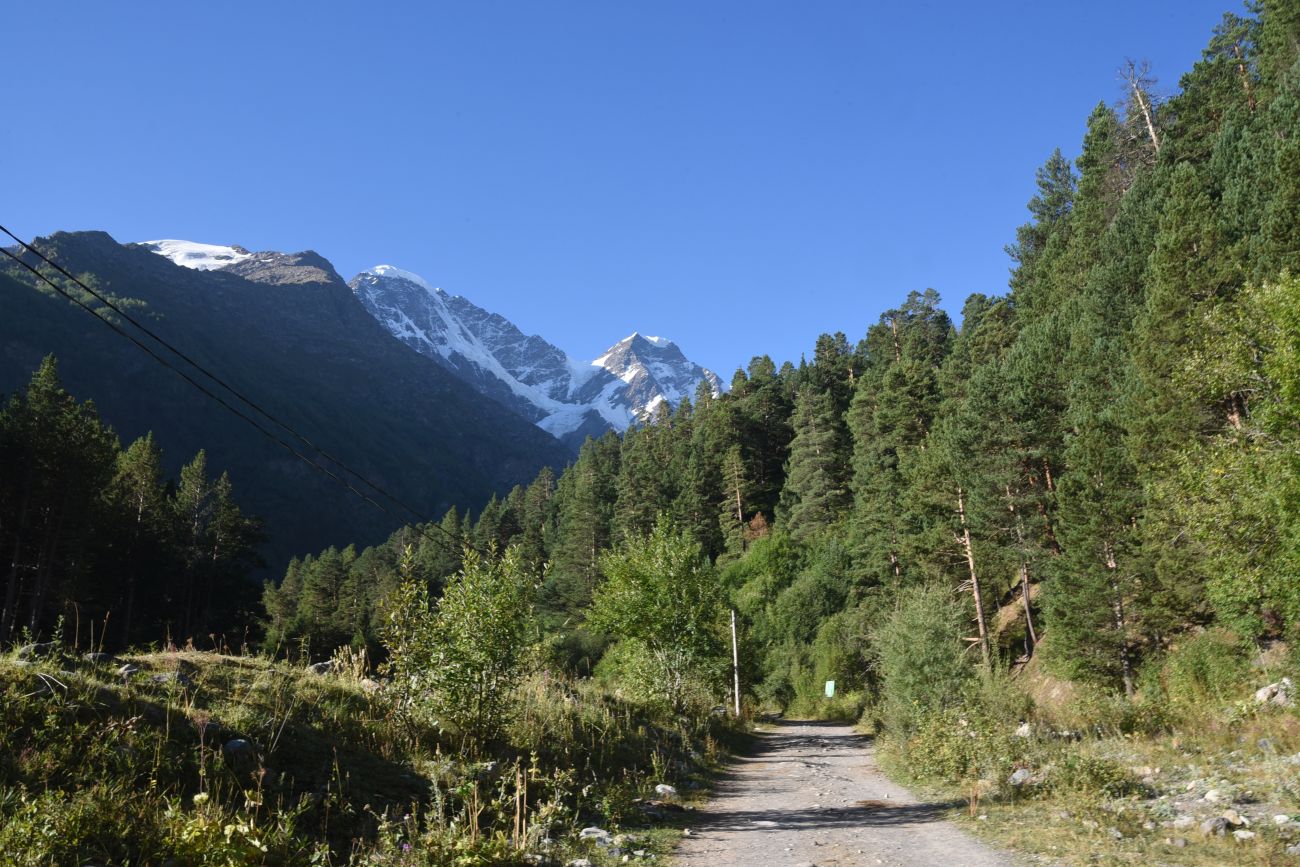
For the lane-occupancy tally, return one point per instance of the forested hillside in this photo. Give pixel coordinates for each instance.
(1099, 460)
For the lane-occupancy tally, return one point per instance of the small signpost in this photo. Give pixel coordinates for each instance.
(830, 689)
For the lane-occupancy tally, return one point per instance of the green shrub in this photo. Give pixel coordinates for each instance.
(920, 659)
(460, 659)
(1078, 771)
(1209, 669)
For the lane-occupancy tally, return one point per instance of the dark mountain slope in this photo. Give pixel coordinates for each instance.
(287, 331)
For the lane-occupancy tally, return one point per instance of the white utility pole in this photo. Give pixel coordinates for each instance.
(735, 661)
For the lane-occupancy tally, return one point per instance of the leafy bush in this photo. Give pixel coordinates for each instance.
(662, 598)
(460, 659)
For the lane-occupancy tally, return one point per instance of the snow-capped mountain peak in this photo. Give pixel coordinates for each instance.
(191, 254)
(391, 271)
(570, 399)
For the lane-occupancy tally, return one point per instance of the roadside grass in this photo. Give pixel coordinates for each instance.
(1099, 779)
(203, 758)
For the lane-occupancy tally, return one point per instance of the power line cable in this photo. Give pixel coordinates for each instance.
(212, 376)
(206, 391)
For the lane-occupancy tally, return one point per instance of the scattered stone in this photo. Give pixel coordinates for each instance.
(1019, 777)
(665, 790)
(1213, 796)
(321, 667)
(1293, 849)
(1234, 818)
(1182, 823)
(1148, 825)
(1216, 827)
(369, 685)
(686, 832)
(1281, 819)
(1244, 834)
(579, 862)
(1178, 842)
(177, 677)
(35, 651)
(240, 755)
(599, 836)
(1024, 730)
(1279, 693)
(127, 670)
(1091, 824)
(1266, 745)
(97, 658)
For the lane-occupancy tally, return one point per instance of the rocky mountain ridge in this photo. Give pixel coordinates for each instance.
(570, 399)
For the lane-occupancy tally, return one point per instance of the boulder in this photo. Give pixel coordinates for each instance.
(1279, 693)
(666, 791)
(321, 667)
(240, 755)
(1215, 827)
(1019, 777)
(37, 651)
(599, 836)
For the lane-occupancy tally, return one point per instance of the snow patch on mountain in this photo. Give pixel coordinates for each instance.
(390, 271)
(201, 257)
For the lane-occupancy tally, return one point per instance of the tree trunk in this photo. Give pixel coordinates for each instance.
(1031, 636)
(974, 578)
(45, 569)
(1135, 83)
(1245, 77)
(9, 614)
(1121, 626)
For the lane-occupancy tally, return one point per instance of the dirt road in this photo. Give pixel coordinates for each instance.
(811, 794)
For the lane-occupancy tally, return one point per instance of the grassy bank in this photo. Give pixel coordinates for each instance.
(1192, 770)
(192, 758)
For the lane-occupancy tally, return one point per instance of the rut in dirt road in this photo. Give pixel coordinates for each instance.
(811, 793)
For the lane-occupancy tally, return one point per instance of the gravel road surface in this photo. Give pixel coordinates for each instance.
(810, 794)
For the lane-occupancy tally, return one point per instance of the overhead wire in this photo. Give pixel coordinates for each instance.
(107, 302)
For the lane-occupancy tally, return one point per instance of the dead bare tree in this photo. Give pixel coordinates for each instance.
(1140, 82)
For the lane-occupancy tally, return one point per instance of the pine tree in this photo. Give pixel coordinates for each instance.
(139, 489)
(63, 459)
(816, 492)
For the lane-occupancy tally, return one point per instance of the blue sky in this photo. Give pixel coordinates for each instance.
(739, 176)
